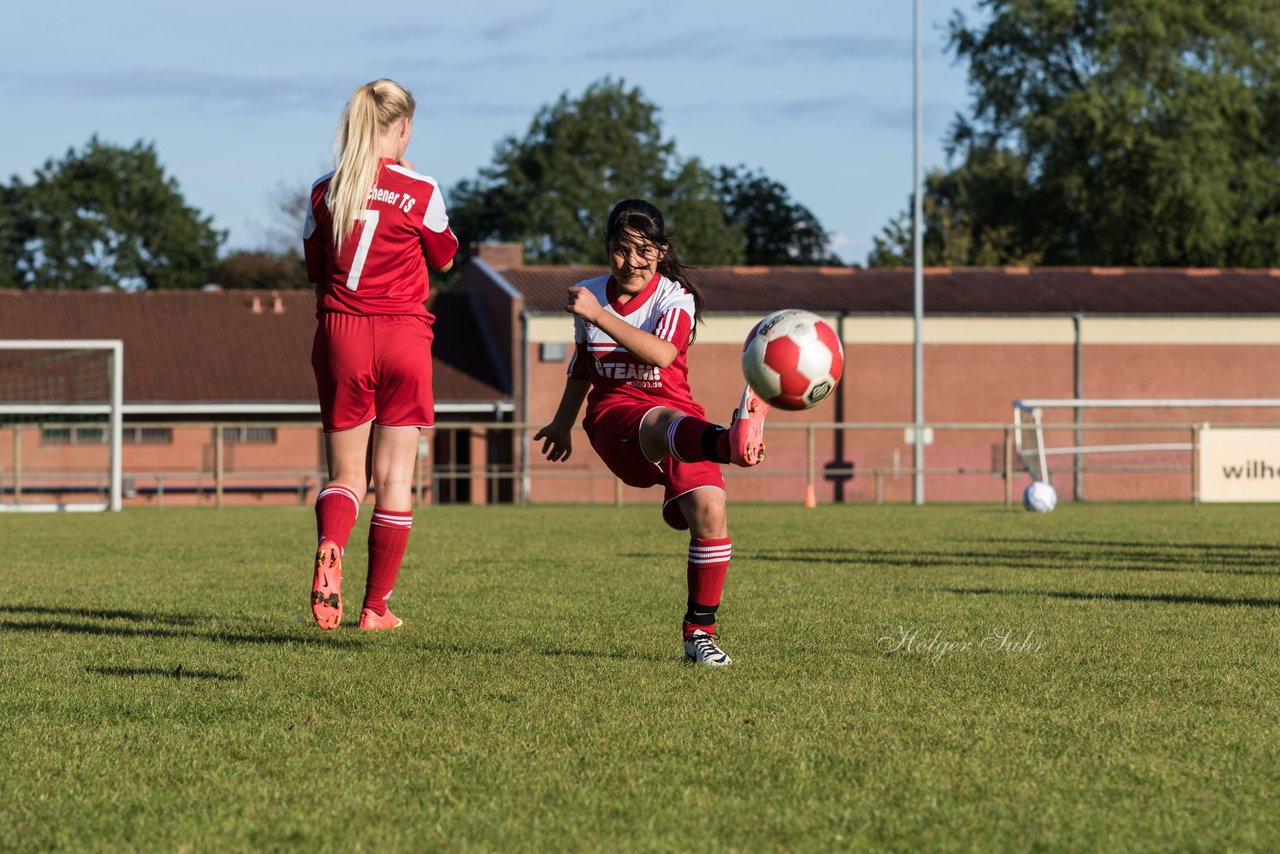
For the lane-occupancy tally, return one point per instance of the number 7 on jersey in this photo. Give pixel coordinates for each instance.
(370, 219)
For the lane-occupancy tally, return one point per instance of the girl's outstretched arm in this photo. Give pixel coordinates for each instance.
(557, 441)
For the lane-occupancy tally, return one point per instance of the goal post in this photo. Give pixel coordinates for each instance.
(38, 384)
(1032, 419)
(1028, 439)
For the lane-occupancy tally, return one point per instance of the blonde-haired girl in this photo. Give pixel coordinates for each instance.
(373, 227)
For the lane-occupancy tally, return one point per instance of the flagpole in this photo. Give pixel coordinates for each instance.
(917, 373)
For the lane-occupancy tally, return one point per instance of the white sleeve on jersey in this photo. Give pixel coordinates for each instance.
(309, 224)
(678, 298)
(668, 324)
(435, 218)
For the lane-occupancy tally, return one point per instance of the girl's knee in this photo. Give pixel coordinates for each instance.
(393, 485)
(707, 514)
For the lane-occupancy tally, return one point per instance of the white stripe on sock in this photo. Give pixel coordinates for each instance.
(340, 490)
(671, 438)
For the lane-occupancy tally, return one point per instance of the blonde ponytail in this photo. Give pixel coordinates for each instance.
(372, 109)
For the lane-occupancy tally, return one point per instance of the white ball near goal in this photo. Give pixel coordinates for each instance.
(1039, 497)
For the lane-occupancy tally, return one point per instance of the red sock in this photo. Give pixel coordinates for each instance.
(694, 440)
(708, 563)
(336, 510)
(388, 535)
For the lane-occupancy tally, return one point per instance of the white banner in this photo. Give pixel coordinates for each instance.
(1239, 464)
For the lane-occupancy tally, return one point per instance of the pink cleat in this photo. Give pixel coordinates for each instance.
(370, 621)
(746, 431)
(326, 586)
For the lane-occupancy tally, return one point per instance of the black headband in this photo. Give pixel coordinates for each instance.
(639, 206)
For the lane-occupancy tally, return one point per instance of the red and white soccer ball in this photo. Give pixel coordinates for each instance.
(792, 359)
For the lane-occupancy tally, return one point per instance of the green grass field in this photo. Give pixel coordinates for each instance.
(163, 688)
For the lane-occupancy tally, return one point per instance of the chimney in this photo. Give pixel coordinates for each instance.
(277, 304)
(500, 255)
(256, 307)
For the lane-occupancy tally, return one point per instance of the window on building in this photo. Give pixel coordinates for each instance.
(249, 435)
(100, 435)
(73, 435)
(148, 436)
(553, 351)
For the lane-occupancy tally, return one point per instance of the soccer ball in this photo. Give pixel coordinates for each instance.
(792, 359)
(1039, 497)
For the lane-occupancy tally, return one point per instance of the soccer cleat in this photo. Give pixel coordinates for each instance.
(370, 621)
(746, 431)
(700, 648)
(326, 586)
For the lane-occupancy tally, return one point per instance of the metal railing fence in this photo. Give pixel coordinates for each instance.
(512, 478)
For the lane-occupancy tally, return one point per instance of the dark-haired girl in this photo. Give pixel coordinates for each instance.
(632, 329)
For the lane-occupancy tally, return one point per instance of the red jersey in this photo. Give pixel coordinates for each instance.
(382, 268)
(665, 309)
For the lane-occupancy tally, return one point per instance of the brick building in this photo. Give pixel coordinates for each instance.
(235, 363)
(241, 359)
(991, 336)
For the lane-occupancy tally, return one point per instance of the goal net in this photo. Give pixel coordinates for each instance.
(1129, 447)
(61, 424)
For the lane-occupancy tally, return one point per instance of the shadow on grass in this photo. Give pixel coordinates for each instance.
(104, 614)
(67, 627)
(1168, 598)
(550, 652)
(1247, 548)
(328, 639)
(177, 673)
(1034, 555)
(675, 555)
(558, 652)
(54, 627)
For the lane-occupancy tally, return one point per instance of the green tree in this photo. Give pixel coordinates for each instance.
(109, 216)
(552, 190)
(1133, 132)
(776, 230)
(979, 215)
(257, 269)
(15, 231)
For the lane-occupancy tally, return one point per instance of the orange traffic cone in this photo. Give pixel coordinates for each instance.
(810, 497)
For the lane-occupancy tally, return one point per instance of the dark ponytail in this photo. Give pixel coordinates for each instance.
(645, 220)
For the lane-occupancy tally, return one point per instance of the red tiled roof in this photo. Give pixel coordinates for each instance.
(959, 291)
(195, 346)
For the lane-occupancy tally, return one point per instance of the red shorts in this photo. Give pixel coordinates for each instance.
(614, 432)
(373, 368)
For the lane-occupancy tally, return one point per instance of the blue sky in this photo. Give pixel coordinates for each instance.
(241, 98)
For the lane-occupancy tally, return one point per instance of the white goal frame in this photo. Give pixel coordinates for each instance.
(1033, 409)
(113, 409)
(1033, 413)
